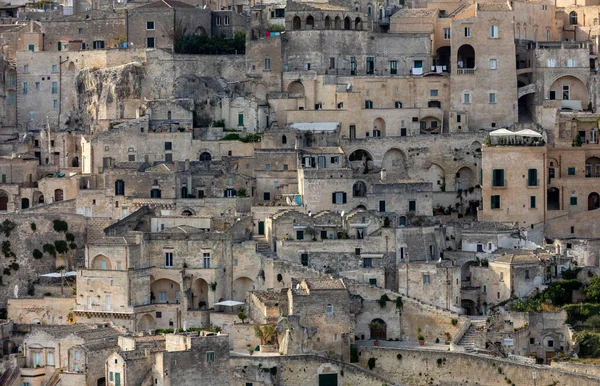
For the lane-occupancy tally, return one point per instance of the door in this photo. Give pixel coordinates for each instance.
(107, 301)
(117, 379)
(328, 380)
(549, 357)
(261, 228)
(162, 297)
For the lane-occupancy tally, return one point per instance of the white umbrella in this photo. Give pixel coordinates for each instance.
(229, 303)
(501, 133)
(528, 133)
(58, 274)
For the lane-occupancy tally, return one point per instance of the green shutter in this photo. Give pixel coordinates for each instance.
(240, 119)
(532, 202)
(573, 201)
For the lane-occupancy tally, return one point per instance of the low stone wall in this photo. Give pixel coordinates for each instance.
(419, 367)
(47, 310)
(579, 368)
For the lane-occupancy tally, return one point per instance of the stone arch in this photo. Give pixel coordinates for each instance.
(360, 155)
(358, 24)
(476, 147)
(577, 89)
(437, 176)
(347, 23)
(430, 125)
(296, 89)
(200, 31)
(146, 323)
(188, 212)
(361, 207)
(593, 201)
(101, 381)
(165, 291)
(310, 22)
(592, 167)
(359, 189)
(394, 162)
(200, 294)
(38, 197)
(465, 57)
(378, 329)
(464, 178)
(205, 156)
(101, 262)
(3, 200)
(58, 195)
(327, 22)
(573, 18)
(379, 127)
(338, 22)
(71, 67)
(241, 287)
(75, 162)
(296, 23)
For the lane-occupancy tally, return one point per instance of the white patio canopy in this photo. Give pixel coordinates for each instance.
(59, 274)
(528, 133)
(501, 133)
(229, 303)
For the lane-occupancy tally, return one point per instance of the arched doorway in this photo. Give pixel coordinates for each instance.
(296, 23)
(38, 197)
(464, 178)
(402, 221)
(553, 199)
(378, 329)
(359, 189)
(379, 128)
(327, 22)
(58, 195)
(394, 162)
(358, 23)
(146, 323)
(310, 22)
(570, 88)
(205, 156)
(184, 192)
(165, 291)
(200, 31)
(347, 23)
(338, 22)
(241, 287)
(435, 175)
(3, 200)
(593, 201)
(101, 262)
(592, 167)
(200, 294)
(466, 57)
(361, 160)
(469, 306)
(75, 162)
(296, 90)
(101, 382)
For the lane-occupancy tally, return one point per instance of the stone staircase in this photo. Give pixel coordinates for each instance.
(473, 335)
(263, 247)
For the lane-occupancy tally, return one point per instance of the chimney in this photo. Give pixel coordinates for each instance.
(383, 174)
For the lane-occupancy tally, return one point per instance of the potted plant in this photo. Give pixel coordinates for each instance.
(420, 337)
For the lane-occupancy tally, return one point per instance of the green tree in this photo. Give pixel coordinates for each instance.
(242, 315)
(592, 292)
(264, 332)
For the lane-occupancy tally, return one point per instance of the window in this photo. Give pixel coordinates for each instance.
(551, 63)
(531, 340)
(370, 69)
(98, 44)
(498, 177)
(382, 206)
(398, 105)
(206, 260)
(267, 64)
(479, 247)
(168, 259)
(467, 99)
(532, 179)
(356, 250)
(340, 105)
(338, 197)
(55, 103)
(26, 68)
(573, 201)
(50, 359)
(331, 63)
(550, 343)
(433, 93)
(484, 289)
(335, 160)
(329, 309)
(304, 259)
(492, 98)
(55, 68)
(299, 235)
(526, 274)
(149, 42)
(572, 230)
(495, 201)
(367, 263)
(150, 25)
(226, 20)
(25, 88)
(532, 202)
(571, 171)
(446, 33)
(285, 167)
(426, 279)
(571, 62)
(210, 356)
(37, 85)
(75, 367)
(267, 167)
(240, 119)
(573, 18)
(32, 115)
(218, 20)
(493, 64)
(494, 31)
(368, 104)
(467, 32)
(393, 67)
(267, 196)
(54, 87)
(131, 157)
(418, 64)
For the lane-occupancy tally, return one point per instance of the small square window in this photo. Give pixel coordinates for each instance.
(149, 25)
(492, 98)
(210, 356)
(493, 64)
(426, 279)
(329, 309)
(531, 340)
(571, 171)
(433, 93)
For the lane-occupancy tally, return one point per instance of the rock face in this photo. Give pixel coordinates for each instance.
(102, 94)
(18, 266)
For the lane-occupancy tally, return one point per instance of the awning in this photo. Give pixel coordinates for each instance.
(59, 274)
(229, 303)
(528, 133)
(501, 133)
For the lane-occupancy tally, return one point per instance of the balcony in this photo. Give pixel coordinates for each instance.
(465, 71)
(39, 371)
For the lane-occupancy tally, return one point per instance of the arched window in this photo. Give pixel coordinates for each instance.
(296, 23)
(205, 156)
(283, 139)
(573, 18)
(310, 22)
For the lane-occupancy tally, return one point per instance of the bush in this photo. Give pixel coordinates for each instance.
(49, 249)
(251, 138)
(241, 192)
(73, 246)
(70, 237)
(219, 123)
(570, 274)
(371, 363)
(14, 266)
(48, 294)
(61, 246)
(33, 226)
(589, 344)
(37, 254)
(7, 227)
(383, 300)
(60, 226)
(454, 321)
(6, 249)
(207, 45)
(580, 312)
(231, 137)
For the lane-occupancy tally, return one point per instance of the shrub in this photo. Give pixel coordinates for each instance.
(454, 321)
(207, 45)
(231, 137)
(242, 315)
(14, 266)
(37, 254)
(6, 271)
(399, 357)
(48, 294)
(399, 304)
(33, 226)
(570, 274)
(61, 246)
(439, 362)
(73, 246)
(60, 226)
(241, 192)
(371, 363)
(70, 237)
(7, 227)
(273, 371)
(251, 138)
(49, 249)
(383, 300)
(580, 312)
(6, 249)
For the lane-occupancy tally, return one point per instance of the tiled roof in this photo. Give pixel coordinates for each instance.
(518, 259)
(416, 12)
(267, 296)
(325, 284)
(168, 4)
(99, 333)
(323, 150)
(493, 7)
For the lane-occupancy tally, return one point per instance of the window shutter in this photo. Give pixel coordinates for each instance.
(344, 198)
(333, 198)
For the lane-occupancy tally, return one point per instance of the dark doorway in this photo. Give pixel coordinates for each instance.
(101, 382)
(469, 306)
(593, 201)
(553, 198)
(328, 380)
(378, 329)
(261, 228)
